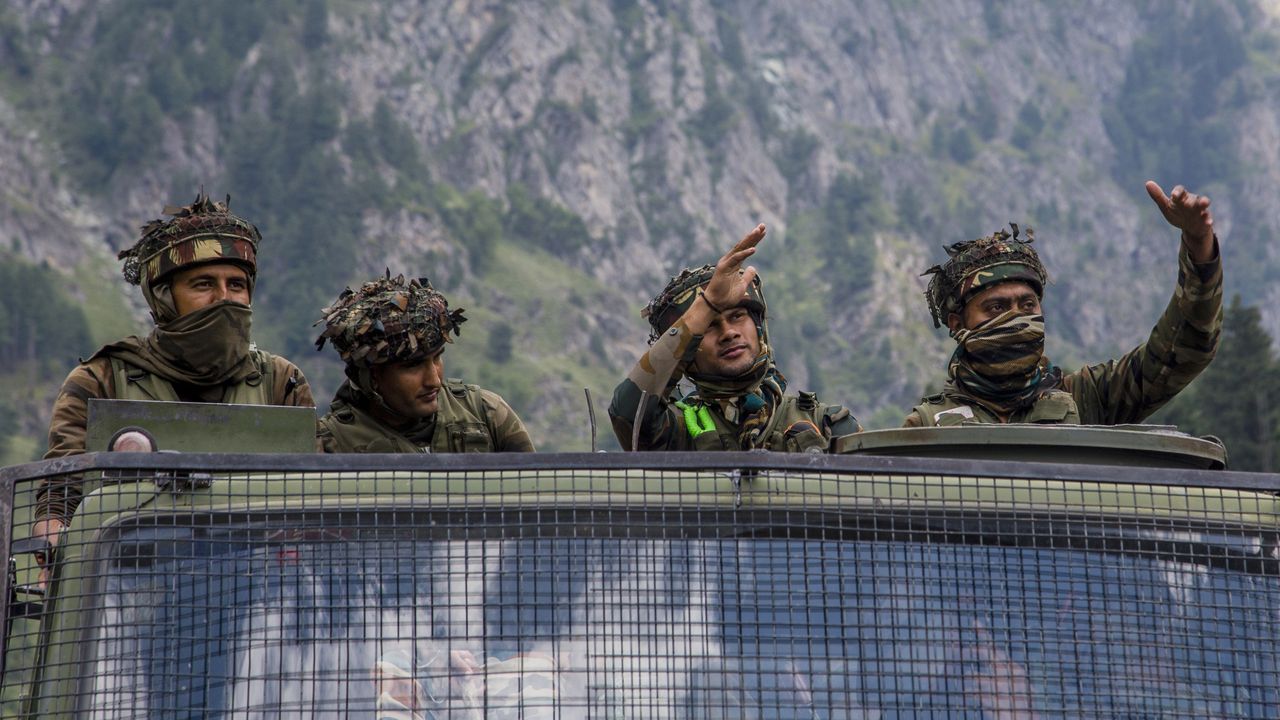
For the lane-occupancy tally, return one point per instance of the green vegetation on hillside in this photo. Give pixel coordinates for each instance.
(42, 332)
(1238, 397)
(39, 323)
(1170, 118)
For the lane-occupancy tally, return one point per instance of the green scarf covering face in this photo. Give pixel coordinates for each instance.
(205, 347)
(1000, 364)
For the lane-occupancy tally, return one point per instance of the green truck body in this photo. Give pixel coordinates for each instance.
(874, 584)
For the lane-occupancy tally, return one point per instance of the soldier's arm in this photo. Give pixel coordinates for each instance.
(57, 498)
(291, 386)
(325, 442)
(913, 420)
(509, 433)
(659, 369)
(838, 421)
(1131, 388)
(657, 372)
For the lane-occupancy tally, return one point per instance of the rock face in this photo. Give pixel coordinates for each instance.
(670, 128)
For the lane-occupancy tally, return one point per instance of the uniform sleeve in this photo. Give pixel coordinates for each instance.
(913, 420)
(325, 441)
(291, 388)
(657, 372)
(58, 497)
(837, 421)
(1131, 388)
(509, 433)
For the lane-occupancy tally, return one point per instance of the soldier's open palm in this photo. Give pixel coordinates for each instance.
(727, 287)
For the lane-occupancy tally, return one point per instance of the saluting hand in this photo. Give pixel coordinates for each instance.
(727, 288)
(1189, 213)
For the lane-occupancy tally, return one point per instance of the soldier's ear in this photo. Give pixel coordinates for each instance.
(954, 321)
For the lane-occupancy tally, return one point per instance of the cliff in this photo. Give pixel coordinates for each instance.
(549, 164)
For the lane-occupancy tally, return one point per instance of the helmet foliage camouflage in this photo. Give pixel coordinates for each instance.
(202, 232)
(679, 294)
(389, 320)
(976, 265)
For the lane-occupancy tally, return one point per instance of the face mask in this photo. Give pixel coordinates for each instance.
(1001, 362)
(208, 346)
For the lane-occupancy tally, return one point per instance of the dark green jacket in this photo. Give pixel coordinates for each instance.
(799, 423)
(469, 419)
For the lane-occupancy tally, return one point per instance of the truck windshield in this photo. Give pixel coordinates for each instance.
(613, 621)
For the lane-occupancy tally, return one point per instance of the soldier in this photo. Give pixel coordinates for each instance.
(710, 324)
(392, 334)
(989, 292)
(197, 271)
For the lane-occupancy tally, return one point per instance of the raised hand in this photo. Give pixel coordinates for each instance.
(727, 287)
(1189, 213)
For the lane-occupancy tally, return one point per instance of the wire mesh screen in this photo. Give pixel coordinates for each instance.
(632, 593)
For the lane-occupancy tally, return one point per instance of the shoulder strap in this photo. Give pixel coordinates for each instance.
(259, 388)
(134, 383)
(469, 395)
(937, 410)
(460, 406)
(1054, 407)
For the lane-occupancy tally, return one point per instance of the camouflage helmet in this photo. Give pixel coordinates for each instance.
(975, 265)
(202, 232)
(679, 294)
(389, 320)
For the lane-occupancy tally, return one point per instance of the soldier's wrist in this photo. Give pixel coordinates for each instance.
(710, 304)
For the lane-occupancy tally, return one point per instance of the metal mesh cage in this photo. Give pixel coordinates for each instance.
(726, 586)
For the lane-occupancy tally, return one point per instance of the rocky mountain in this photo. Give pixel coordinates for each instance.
(548, 164)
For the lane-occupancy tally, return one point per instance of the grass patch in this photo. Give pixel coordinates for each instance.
(541, 380)
(109, 316)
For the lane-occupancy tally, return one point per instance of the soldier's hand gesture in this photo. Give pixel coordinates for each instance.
(727, 287)
(1189, 213)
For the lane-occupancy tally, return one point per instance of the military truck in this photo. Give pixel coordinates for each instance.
(891, 580)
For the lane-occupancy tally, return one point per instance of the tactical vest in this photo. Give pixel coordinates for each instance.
(134, 383)
(462, 426)
(1056, 407)
(795, 426)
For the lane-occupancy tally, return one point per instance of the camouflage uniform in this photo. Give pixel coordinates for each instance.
(702, 420)
(1126, 390)
(203, 233)
(387, 321)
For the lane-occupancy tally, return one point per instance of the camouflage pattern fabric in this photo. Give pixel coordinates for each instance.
(1052, 407)
(469, 419)
(1129, 389)
(663, 425)
(95, 379)
(204, 231)
(1001, 362)
(680, 293)
(388, 320)
(755, 393)
(976, 265)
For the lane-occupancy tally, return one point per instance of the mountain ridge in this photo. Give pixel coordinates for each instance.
(651, 135)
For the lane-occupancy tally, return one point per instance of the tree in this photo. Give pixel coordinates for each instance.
(1235, 399)
(501, 342)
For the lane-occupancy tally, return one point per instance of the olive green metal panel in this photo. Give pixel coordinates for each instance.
(205, 427)
(71, 627)
(763, 489)
(1129, 445)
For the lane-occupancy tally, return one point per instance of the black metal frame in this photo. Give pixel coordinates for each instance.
(736, 464)
(671, 462)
